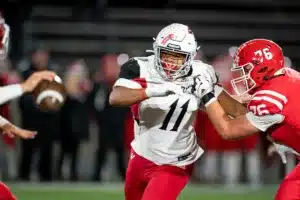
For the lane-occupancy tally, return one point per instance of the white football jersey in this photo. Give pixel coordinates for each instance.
(164, 132)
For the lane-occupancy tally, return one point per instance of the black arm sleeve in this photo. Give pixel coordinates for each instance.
(130, 69)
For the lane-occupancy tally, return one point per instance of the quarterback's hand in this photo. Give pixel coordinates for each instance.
(12, 131)
(30, 84)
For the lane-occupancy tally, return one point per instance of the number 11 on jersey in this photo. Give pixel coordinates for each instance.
(167, 119)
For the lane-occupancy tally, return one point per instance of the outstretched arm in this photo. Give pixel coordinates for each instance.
(219, 105)
(229, 128)
(10, 92)
(11, 130)
(242, 126)
(231, 105)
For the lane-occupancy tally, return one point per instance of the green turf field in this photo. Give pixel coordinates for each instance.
(114, 192)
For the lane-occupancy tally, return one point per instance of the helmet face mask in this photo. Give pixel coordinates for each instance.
(175, 48)
(172, 64)
(244, 83)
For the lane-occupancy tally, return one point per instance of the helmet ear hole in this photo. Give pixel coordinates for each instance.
(266, 78)
(262, 70)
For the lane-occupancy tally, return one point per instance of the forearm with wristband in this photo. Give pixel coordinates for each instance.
(210, 97)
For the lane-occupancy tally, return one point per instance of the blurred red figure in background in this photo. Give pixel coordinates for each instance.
(110, 119)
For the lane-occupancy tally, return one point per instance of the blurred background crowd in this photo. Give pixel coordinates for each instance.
(86, 42)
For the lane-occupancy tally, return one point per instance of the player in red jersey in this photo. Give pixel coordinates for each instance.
(273, 107)
(13, 91)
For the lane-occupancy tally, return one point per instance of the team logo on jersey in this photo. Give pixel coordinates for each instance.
(184, 157)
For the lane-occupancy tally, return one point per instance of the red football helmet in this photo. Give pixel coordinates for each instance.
(4, 38)
(257, 60)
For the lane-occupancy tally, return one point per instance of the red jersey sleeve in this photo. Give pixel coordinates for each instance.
(266, 108)
(267, 102)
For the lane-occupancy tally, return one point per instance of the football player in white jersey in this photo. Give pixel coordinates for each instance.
(165, 145)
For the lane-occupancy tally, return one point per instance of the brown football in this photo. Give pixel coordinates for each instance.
(50, 95)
